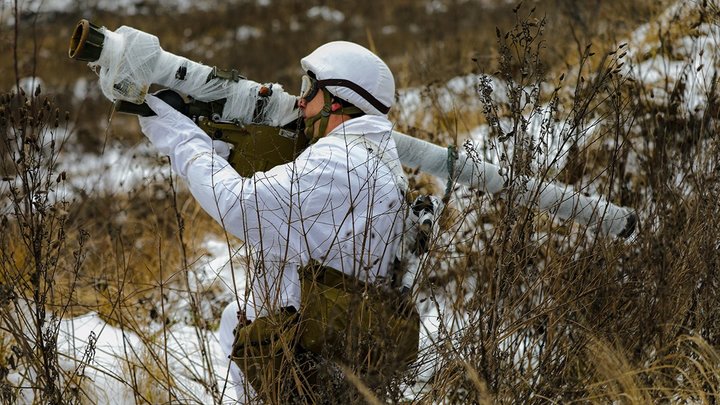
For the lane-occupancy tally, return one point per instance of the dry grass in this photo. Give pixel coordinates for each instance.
(534, 310)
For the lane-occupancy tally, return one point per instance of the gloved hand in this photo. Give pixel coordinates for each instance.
(169, 127)
(222, 148)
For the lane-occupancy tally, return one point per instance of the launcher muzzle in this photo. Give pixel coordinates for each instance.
(86, 42)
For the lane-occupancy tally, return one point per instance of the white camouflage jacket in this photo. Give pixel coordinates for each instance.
(339, 203)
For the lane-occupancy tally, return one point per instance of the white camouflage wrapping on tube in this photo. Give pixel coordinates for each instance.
(132, 60)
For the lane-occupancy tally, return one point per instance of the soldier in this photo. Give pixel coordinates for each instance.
(325, 229)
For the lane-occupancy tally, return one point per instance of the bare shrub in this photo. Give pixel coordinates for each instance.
(33, 238)
(535, 310)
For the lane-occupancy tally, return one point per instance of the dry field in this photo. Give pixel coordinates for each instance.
(520, 307)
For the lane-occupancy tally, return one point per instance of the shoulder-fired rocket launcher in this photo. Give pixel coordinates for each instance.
(260, 120)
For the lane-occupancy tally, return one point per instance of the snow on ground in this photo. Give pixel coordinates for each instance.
(691, 58)
(116, 350)
(456, 95)
(109, 353)
(680, 70)
(118, 170)
(460, 95)
(326, 14)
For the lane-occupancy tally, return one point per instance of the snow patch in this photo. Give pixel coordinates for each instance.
(326, 13)
(692, 59)
(119, 169)
(30, 84)
(435, 7)
(246, 32)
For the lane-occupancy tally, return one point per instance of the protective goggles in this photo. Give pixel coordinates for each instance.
(309, 88)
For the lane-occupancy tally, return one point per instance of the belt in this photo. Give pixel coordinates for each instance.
(331, 277)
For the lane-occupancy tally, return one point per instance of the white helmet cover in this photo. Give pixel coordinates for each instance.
(347, 61)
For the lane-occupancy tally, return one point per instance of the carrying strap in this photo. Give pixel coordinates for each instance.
(324, 117)
(357, 89)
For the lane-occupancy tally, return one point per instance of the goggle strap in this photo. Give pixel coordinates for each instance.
(357, 89)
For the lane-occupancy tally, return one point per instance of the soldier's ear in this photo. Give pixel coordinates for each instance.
(335, 106)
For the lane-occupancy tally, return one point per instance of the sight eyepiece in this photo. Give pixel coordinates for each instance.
(86, 42)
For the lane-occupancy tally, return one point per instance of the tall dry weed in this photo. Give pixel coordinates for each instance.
(548, 311)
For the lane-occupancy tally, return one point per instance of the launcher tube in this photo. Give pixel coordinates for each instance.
(559, 200)
(131, 60)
